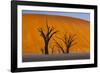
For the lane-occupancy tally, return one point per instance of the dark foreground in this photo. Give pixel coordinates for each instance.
(34, 58)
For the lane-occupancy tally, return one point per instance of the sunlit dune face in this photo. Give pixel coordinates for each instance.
(32, 42)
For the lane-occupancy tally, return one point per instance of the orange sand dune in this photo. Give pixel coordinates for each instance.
(32, 42)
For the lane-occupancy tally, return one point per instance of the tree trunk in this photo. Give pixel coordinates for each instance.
(46, 48)
(67, 50)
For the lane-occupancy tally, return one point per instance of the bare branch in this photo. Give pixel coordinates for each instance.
(59, 46)
(47, 24)
(73, 44)
(52, 34)
(60, 39)
(42, 33)
(49, 31)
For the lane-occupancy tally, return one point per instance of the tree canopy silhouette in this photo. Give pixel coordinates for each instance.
(68, 41)
(47, 36)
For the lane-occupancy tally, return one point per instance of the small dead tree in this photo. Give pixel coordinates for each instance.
(68, 42)
(52, 50)
(47, 36)
(58, 50)
(42, 50)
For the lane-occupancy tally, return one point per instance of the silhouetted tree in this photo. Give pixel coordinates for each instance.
(52, 50)
(68, 42)
(42, 50)
(59, 51)
(47, 36)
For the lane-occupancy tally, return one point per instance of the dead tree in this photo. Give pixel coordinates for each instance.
(47, 36)
(68, 42)
(42, 51)
(52, 50)
(59, 51)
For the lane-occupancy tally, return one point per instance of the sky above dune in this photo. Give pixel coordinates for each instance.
(84, 16)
